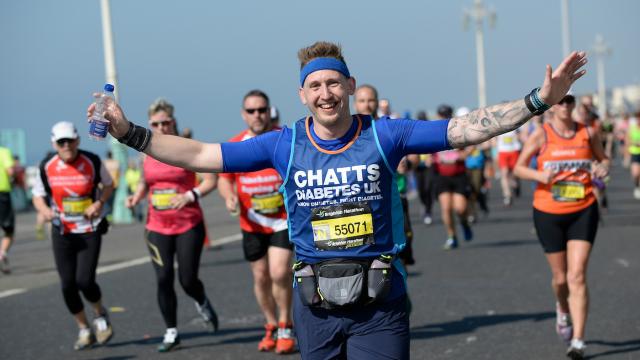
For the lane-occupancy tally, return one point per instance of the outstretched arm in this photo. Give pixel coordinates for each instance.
(173, 150)
(482, 124)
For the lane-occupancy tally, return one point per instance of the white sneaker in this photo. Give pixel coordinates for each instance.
(427, 220)
(636, 193)
(103, 329)
(564, 328)
(576, 349)
(85, 339)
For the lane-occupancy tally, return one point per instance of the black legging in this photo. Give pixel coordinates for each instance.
(425, 178)
(76, 257)
(188, 247)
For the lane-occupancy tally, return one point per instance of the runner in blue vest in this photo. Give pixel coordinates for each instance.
(345, 216)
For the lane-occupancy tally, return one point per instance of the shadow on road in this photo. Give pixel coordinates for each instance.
(619, 347)
(193, 335)
(505, 243)
(471, 323)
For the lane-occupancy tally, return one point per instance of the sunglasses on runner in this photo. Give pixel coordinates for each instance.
(569, 100)
(61, 142)
(161, 123)
(261, 110)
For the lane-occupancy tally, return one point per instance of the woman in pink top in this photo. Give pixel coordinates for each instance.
(175, 227)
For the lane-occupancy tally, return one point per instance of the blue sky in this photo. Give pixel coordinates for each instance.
(203, 56)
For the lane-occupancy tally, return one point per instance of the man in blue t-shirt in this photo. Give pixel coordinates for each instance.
(341, 197)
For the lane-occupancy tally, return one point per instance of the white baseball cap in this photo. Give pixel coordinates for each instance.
(63, 130)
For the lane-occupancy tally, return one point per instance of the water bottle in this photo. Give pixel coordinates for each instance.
(99, 126)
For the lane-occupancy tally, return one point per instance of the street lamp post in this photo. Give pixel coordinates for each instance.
(566, 34)
(601, 50)
(120, 213)
(478, 13)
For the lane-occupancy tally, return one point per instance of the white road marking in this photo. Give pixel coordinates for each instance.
(623, 262)
(130, 263)
(11, 292)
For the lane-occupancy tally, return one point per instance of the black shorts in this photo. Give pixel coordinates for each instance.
(554, 230)
(256, 245)
(458, 184)
(7, 216)
(635, 158)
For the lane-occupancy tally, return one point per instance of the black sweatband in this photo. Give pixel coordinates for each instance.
(195, 194)
(136, 137)
(534, 103)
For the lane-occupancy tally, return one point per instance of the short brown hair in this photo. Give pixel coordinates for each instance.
(161, 104)
(320, 49)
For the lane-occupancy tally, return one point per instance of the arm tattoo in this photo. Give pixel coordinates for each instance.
(481, 125)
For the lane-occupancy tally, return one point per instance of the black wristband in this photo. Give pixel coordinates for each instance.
(136, 137)
(536, 106)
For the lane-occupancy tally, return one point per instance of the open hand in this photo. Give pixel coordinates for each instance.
(557, 83)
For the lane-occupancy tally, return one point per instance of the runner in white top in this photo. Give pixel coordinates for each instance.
(508, 146)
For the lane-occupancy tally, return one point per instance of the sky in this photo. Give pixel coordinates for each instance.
(203, 56)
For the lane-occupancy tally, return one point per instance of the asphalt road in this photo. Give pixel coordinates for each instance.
(489, 299)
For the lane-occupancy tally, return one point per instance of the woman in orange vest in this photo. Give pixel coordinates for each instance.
(565, 211)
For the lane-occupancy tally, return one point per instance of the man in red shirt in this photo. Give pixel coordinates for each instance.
(265, 237)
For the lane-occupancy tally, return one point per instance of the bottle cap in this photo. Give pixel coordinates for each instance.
(109, 87)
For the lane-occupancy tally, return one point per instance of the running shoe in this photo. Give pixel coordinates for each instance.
(4, 264)
(103, 329)
(208, 315)
(286, 343)
(564, 328)
(170, 341)
(427, 220)
(40, 235)
(85, 339)
(468, 233)
(450, 244)
(268, 342)
(507, 201)
(636, 193)
(576, 349)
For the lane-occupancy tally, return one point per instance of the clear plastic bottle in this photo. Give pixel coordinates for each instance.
(99, 126)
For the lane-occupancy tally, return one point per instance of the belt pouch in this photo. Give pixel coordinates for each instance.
(306, 284)
(341, 283)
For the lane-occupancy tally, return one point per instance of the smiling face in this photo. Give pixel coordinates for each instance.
(326, 94)
(256, 113)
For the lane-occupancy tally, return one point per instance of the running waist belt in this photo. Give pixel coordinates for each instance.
(341, 283)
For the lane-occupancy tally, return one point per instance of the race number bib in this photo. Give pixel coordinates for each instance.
(161, 198)
(342, 226)
(75, 205)
(566, 191)
(267, 203)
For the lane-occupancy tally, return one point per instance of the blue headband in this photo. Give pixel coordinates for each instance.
(323, 64)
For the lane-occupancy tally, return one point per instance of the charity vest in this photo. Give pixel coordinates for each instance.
(449, 163)
(343, 203)
(262, 207)
(71, 189)
(164, 182)
(634, 136)
(570, 190)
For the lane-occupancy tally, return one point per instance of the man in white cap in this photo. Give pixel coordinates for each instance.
(67, 193)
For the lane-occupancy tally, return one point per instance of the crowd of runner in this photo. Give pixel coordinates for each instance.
(323, 203)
